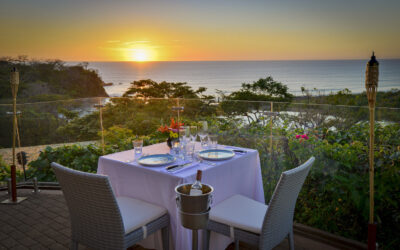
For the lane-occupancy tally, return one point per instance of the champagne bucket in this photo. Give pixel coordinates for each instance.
(194, 221)
(193, 210)
(193, 204)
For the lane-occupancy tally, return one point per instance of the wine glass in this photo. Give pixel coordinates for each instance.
(193, 133)
(185, 134)
(203, 131)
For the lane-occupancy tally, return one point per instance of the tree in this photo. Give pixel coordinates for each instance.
(151, 89)
(250, 100)
(265, 89)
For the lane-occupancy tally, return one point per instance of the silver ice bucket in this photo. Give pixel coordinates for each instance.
(193, 210)
(194, 221)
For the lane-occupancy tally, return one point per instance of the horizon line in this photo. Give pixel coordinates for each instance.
(266, 60)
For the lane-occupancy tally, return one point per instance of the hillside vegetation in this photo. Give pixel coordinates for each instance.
(390, 99)
(49, 80)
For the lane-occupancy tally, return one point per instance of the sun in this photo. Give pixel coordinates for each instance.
(140, 55)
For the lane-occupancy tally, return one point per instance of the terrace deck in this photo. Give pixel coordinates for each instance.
(42, 222)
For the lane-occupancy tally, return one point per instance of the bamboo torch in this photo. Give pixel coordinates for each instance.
(371, 86)
(14, 90)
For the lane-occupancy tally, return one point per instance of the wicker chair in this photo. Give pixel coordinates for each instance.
(255, 223)
(100, 220)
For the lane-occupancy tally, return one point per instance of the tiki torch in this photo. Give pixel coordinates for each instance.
(14, 90)
(371, 85)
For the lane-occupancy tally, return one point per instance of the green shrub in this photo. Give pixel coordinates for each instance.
(83, 158)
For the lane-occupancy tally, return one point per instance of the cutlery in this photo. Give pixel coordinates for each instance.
(239, 151)
(176, 167)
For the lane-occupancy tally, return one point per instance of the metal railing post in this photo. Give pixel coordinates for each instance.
(35, 185)
(9, 190)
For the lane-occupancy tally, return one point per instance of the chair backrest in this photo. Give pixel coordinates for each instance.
(95, 216)
(278, 220)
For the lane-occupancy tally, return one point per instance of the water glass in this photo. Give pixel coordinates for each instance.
(213, 141)
(176, 146)
(186, 133)
(138, 147)
(189, 151)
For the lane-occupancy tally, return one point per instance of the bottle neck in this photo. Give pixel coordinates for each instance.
(198, 176)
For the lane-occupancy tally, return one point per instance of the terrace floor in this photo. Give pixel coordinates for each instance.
(42, 222)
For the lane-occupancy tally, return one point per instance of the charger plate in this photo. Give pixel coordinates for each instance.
(156, 160)
(216, 154)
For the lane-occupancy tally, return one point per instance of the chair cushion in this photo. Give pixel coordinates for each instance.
(136, 213)
(240, 212)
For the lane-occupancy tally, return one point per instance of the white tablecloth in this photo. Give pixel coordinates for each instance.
(238, 175)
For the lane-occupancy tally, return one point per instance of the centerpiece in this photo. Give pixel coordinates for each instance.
(171, 131)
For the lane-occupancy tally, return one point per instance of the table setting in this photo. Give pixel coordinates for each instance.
(151, 174)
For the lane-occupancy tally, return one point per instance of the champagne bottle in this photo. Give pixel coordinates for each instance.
(196, 188)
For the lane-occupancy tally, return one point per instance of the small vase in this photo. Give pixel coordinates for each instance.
(169, 142)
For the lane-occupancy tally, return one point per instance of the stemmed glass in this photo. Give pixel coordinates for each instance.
(193, 133)
(203, 133)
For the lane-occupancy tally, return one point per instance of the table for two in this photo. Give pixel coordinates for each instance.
(238, 175)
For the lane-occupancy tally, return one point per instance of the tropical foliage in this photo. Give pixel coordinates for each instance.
(335, 195)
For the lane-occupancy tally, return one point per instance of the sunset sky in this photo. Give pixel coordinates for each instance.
(186, 30)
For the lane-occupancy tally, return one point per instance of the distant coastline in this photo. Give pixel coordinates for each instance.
(318, 75)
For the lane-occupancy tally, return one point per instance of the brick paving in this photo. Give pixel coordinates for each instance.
(42, 222)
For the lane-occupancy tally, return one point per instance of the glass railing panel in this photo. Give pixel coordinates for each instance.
(51, 131)
(335, 195)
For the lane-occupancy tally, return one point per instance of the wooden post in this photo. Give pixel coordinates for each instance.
(101, 106)
(101, 126)
(270, 124)
(371, 86)
(178, 109)
(14, 90)
(13, 184)
(371, 163)
(179, 125)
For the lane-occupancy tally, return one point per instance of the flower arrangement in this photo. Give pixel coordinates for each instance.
(171, 131)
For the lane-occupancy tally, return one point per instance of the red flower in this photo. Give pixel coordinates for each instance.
(163, 129)
(305, 137)
(173, 126)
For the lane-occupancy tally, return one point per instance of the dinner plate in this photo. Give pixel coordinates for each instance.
(216, 154)
(156, 160)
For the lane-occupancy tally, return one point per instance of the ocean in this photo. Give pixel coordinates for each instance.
(327, 76)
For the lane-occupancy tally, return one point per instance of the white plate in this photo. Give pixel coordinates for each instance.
(216, 154)
(156, 160)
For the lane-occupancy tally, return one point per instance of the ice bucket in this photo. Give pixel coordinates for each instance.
(194, 221)
(193, 210)
(193, 204)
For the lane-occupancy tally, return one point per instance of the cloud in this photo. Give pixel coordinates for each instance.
(135, 42)
(113, 41)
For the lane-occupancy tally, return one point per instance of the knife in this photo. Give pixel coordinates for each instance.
(239, 151)
(177, 166)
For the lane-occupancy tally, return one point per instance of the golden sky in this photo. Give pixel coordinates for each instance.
(125, 30)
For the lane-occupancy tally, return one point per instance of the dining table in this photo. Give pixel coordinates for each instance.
(240, 174)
